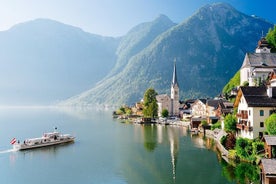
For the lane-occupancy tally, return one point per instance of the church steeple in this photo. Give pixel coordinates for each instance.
(174, 93)
(263, 46)
(174, 79)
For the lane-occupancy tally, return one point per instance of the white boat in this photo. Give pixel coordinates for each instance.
(47, 139)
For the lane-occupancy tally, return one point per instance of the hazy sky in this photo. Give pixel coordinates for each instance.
(117, 17)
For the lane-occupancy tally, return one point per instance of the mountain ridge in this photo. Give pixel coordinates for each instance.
(55, 61)
(45, 60)
(208, 47)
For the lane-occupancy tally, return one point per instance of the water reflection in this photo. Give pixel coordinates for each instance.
(107, 151)
(168, 136)
(243, 173)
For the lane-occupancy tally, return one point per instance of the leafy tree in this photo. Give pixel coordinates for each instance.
(244, 148)
(216, 125)
(271, 37)
(247, 173)
(150, 103)
(270, 124)
(165, 113)
(258, 146)
(230, 123)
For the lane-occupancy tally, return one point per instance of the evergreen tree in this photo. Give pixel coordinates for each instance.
(271, 38)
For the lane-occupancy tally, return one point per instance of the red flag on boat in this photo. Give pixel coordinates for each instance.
(13, 141)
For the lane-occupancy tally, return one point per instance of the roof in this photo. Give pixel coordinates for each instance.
(269, 166)
(263, 43)
(162, 97)
(260, 60)
(270, 139)
(174, 79)
(257, 96)
(213, 103)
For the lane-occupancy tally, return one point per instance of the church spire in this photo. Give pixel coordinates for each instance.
(174, 79)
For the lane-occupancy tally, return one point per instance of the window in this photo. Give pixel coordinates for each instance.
(261, 134)
(261, 124)
(272, 111)
(249, 112)
(261, 112)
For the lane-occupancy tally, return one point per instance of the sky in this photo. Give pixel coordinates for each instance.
(117, 17)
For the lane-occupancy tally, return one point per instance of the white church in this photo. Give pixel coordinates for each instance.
(171, 103)
(259, 65)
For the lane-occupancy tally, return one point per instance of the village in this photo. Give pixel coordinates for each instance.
(243, 115)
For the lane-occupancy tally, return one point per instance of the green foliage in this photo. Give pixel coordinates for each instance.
(230, 123)
(242, 173)
(270, 124)
(258, 146)
(271, 37)
(244, 148)
(273, 152)
(245, 83)
(247, 173)
(223, 140)
(121, 111)
(234, 82)
(165, 113)
(204, 123)
(150, 103)
(216, 125)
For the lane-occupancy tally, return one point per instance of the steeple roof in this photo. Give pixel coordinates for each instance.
(174, 79)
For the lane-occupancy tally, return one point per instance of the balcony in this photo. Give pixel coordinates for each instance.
(244, 127)
(242, 116)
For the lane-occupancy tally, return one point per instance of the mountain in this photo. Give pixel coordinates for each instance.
(45, 60)
(139, 38)
(209, 48)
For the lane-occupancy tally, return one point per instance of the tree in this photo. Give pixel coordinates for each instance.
(271, 37)
(150, 103)
(165, 113)
(270, 124)
(230, 123)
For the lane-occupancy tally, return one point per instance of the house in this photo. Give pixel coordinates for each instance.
(211, 110)
(268, 171)
(255, 104)
(270, 144)
(257, 66)
(171, 103)
(199, 108)
(216, 108)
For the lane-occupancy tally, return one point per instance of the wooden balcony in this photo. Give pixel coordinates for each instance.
(242, 116)
(244, 127)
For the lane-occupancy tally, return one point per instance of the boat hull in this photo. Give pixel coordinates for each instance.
(23, 146)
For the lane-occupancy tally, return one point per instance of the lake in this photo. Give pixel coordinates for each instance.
(105, 151)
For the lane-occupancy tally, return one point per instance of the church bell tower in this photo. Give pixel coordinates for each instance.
(174, 94)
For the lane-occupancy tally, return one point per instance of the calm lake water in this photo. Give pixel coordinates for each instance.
(105, 151)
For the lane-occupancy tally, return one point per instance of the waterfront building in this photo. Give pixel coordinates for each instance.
(255, 105)
(257, 66)
(199, 108)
